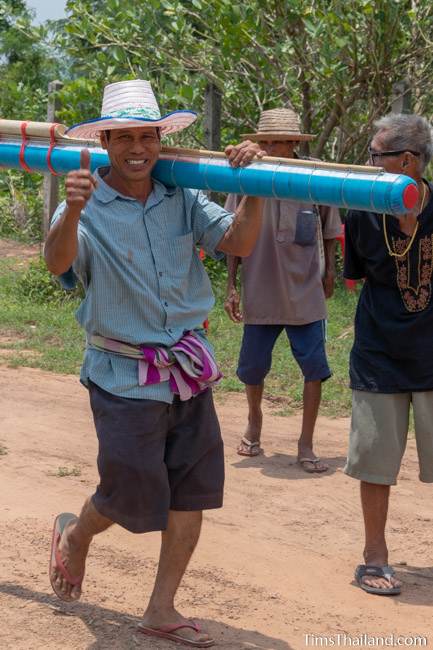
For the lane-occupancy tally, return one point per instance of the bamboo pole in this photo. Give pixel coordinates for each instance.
(41, 130)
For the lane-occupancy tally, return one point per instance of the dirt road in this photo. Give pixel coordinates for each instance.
(274, 565)
(14, 250)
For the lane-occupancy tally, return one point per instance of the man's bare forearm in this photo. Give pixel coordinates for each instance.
(241, 237)
(233, 262)
(329, 251)
(61, 247)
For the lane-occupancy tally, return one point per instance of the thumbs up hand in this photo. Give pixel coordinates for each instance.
(80, 184)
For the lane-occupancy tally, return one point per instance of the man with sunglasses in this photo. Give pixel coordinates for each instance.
(391, 362)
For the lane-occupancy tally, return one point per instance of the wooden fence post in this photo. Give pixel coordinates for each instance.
(51, 183)
(212, 117)
(212, 124)
(401, 97)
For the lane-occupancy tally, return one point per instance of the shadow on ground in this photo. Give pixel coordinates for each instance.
(113, 629)
(285, 466)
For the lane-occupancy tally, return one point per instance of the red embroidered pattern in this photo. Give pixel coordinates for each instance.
(415, 298)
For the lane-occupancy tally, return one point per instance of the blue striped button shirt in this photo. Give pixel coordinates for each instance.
(143, 278)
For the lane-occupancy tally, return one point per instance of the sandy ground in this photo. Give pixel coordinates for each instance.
(275, 564)
(12, 249)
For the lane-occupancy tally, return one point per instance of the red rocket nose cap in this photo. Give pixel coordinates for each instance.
(410, 196)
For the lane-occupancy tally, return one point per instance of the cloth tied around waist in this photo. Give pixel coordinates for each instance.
(187, 365)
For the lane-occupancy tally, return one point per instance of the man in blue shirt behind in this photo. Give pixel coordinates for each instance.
(132, 242)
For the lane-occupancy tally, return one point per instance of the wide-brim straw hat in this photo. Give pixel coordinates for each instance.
(279, 124)
(129, 104)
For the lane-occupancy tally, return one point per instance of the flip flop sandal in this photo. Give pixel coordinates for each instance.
(56, 561)
(314, 461)
(253, 448)
(169, 632)
(377, 572)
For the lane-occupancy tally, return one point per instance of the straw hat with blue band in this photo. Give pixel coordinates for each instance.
(128, 104)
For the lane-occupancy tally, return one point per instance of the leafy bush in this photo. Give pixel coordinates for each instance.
(21, 206)
(217, 271)
(39, 286)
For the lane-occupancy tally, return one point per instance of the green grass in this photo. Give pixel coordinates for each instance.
(45, 335)
(66, 471)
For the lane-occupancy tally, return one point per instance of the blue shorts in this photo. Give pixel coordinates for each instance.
(307, 343)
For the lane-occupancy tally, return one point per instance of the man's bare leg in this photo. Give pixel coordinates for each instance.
(375, 499)
(312, 397)
(177, 546)
(255, 415)
(74, 546)
(255, 418)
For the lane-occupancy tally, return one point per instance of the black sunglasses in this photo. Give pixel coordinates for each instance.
(379, 154)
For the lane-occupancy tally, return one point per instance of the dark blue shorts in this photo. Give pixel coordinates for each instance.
(154, 457)
(307, 343)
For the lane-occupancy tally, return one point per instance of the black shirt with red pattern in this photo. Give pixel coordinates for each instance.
(393, 346)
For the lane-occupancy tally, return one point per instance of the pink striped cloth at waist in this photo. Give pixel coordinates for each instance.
(187, 365)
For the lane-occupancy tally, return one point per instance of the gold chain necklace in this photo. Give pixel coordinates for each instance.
(409, 246)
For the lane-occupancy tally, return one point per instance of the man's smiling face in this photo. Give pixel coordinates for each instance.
(132, 152)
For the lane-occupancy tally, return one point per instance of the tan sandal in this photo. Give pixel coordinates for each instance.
(252, 448)
(314, 462)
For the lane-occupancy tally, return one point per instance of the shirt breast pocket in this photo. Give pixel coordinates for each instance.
(306, 227)
(179, 255)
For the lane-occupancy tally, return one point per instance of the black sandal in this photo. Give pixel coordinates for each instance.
(377, 572)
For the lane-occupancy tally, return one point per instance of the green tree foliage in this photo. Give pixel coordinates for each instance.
(336, 61)
(26, 67)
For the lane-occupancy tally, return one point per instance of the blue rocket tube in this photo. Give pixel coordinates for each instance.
(353, 187)
(303, 181)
